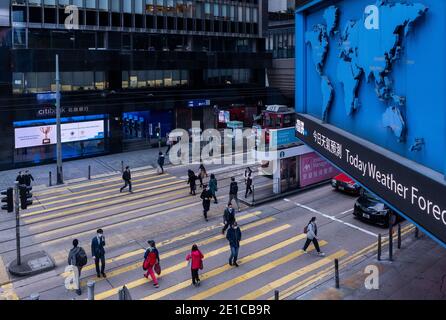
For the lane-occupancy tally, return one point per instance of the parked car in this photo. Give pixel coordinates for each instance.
(369, 208)
(344, 183)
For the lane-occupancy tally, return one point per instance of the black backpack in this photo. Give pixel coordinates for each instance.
(81, 258)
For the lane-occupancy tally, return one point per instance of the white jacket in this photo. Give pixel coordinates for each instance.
(311, 234)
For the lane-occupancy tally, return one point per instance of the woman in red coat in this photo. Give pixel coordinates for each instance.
(196, 263)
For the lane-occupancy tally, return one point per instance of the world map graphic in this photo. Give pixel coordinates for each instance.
(367, 50)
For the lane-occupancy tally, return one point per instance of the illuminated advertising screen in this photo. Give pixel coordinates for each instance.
(46, 135)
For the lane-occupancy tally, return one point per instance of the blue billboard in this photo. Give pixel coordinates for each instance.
(371, 98)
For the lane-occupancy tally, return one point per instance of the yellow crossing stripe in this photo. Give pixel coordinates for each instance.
(7, 292)
(182, 265)
(172, 253)
(328, 271)
(226, 267)
(292, 276)
(251, 274)
(169, 241)
(96, 212)
(90, 192)
(112, 196)
(85, 183)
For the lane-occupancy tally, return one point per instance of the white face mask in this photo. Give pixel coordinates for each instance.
(99, 235)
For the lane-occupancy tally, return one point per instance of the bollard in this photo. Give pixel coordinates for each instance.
(416, 233)
(253, 191)
(390, 244)
(89, 172)
(399, 236)
(379, 246)
(90, 285)
(337, 273)
(50, 180)
(276, 295)
(35, 296)
(122, 166)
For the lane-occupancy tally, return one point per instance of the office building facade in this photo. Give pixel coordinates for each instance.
(125, 67)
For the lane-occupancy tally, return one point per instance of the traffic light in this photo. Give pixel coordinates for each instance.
(158, 131)
(9, 200)
(25, 195)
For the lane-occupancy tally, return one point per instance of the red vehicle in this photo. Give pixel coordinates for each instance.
(344, 183)
(277, 117)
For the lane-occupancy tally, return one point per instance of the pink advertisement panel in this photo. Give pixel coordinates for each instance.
(314, 169)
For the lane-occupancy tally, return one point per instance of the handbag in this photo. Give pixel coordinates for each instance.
(201, 265)
(157, 268)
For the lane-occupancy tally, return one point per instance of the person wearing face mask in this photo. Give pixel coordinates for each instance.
(234, 235)
(206, 196)
(98, 252)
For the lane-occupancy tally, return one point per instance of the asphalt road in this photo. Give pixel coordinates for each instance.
(162, 209)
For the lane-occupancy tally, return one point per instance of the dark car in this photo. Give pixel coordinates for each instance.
(369, 208)
(346, 184)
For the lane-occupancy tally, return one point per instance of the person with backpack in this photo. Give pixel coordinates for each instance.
(152, 262)
(311, 231)
(98, 252)
(161, 160)
(127, 177)
(192, 182)
(78, 259)
(206, 196)
(20, 178)
(234, 236)
(228, 217)
(233, 193)
(213, 187)
(195, 257)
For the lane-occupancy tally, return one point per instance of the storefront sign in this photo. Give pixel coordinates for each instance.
(314, 169)
(46, 135)
(283, 137)
(50, 111)
(198, 103)
(396, 180)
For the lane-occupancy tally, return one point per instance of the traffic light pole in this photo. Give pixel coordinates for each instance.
(159, 136)
(17, 221)
(58, 126)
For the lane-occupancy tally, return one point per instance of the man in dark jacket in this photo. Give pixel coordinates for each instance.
(234, 235)
(20, 178)
(192, 181)
(98, 252)
(27, 178)
(206, 196)
(228, 217)
(233, 193)
(72, 261)
(161, 159)
(127, 177)
(248, 186)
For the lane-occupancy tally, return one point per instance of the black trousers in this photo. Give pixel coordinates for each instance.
(96, 262)
(195, 277)
(127, 183)
(316, 244)
(206, 207)
(248, 190)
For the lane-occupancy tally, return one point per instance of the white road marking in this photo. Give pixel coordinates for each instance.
(345, 212)
(333, 218)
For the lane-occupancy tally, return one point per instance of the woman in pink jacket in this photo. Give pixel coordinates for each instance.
(196, 263)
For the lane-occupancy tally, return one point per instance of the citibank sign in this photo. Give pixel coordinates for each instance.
(51, 111)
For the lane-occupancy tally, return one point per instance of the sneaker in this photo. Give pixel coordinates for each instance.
(236, 264)
(321, 254)
(304, 251)
(156, 285)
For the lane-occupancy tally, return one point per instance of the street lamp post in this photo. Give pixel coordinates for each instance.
(58, 126)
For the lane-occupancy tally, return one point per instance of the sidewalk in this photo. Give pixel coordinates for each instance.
(418, 272)
(78, 169)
